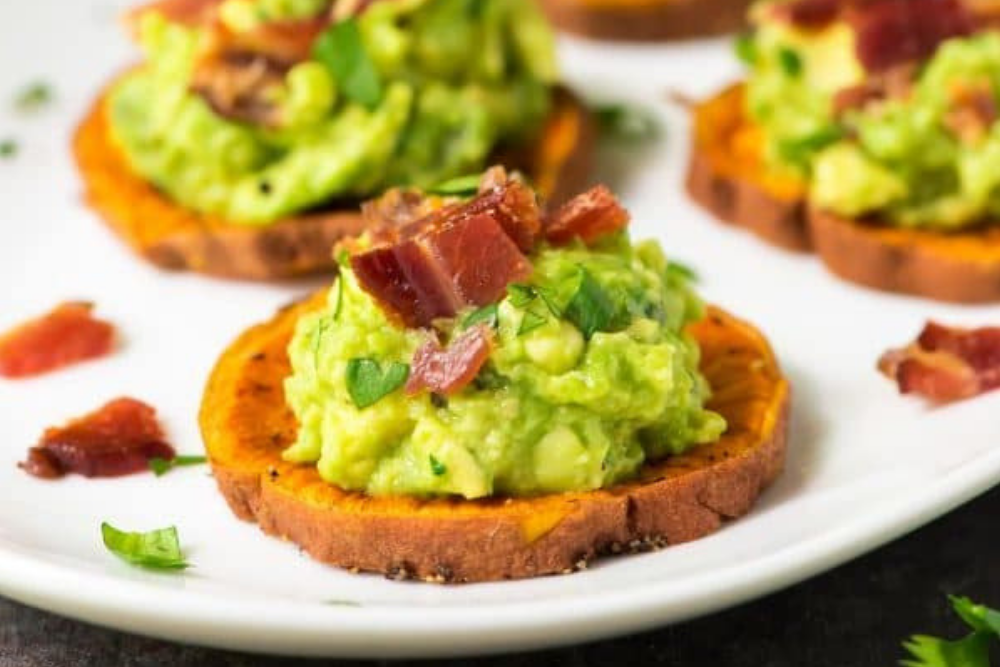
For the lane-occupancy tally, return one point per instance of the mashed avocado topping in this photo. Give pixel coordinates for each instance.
(590, 376)
(922, 151)
(409, 92)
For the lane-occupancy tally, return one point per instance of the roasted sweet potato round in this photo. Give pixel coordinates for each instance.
(726, 175)
(173, 237)
(648, 20)
(246, 425)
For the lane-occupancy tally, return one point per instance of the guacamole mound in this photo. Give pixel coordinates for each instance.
(550, 412)
(410, 92)
(901, 160)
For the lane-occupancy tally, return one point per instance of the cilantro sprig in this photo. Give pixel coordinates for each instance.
(33, 97)
(437, 468)
(161, 467)
(156, 549)
(488, 315)
(342, 51)
(462, 186)
(627, 122)
(973, 650)
(368, 382)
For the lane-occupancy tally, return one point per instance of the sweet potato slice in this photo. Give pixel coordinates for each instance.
(962, 267)
(175, 238)
(647, 20)
(726, 175)
(246, 424)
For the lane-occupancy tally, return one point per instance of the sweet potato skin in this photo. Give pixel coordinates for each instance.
(246, 425)
(962, 267)
(175, 238)
(726, 175)
(650, 20)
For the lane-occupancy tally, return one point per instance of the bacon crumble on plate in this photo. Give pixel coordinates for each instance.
(946, 364)
(66, 335)
(120, 438)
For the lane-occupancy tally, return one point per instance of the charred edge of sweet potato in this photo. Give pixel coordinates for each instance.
(726, 175)
(246, 425)
(652, 21)
(175, 238)
(960, 267)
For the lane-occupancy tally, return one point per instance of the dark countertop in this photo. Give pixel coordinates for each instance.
(854, 616)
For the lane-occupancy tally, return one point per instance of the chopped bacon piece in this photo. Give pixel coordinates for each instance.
(397, 208)
(891, 32)
(238, 87)
(973, 111)
(808, 14)
(448, 371)
(947, 364)
(588, 217)
(460, 255)
(66, 335)
(118, 439)
(893, 84)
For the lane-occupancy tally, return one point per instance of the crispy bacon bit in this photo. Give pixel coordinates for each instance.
(808, 14)
(894, 83)
(398, 208)
(972, 112)
(588, 217)
(947, 364)
(238, 85)
(119, 439)
(448, 371)
(66, 335)
(891, 32)
(460, 255)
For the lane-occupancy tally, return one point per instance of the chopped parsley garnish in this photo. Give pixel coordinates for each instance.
(530, 322)
(161, 467)
(340, 298)
(33, 97)
(463, 186)
(973, 650)
(790, 61)
(157, 549)
(437, 467)
(627, 122)
(368, 382)
(521, 296)
(590, 309)
(487, 315)
(746, 48)
(8, 149)
(341, 49)
(802, 148)
(489, 379)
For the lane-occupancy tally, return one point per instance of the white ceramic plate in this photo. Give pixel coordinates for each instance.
(865, 464)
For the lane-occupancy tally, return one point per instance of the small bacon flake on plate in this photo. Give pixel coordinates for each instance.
(946, 364)
(66, 335)
(120, 438)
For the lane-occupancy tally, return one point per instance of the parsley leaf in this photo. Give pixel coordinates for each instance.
(340, 298)
(161, 467)
(341, 49)
(682, 271)
(437, 467)
(487, 315)
(521, 296)
(971, 651)
(463, 186)
(590, 309)
(8, 149)
(530, 322)
(33, 97)
(368, 383)
(626, 122)
(790, 61)
(158, 549)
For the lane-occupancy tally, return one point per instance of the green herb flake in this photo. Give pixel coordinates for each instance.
(627, 122)
(790, 61)
(342, 603)
(745, 47)
(549, 300)
(368, 382)
(8, 149)
(437, 467)
(33, 97)
(161, 467)
(590, 309)
(521, 296)
(530, 322)
(682, 271)
(463, 186)
(157, 549)
(341, 50)
(340, 299)
(973, 650)
(488, 315)
(490, 380)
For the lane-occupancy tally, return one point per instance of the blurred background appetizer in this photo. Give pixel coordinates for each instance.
(648, 20)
